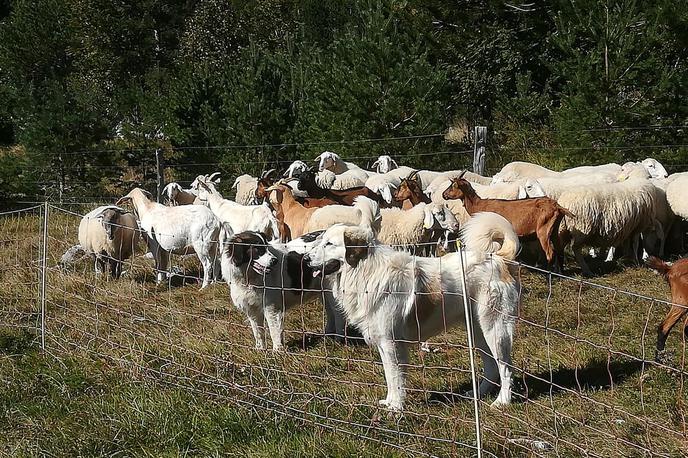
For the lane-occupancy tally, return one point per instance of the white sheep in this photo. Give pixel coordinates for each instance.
(384, 184)
(608, 214)
(676, 194)
(364, 212)
(384, 164)
(110, 234)
(178, 230)
(331, 161)
(257, 218)
(246, 186)
(415, 226)
(519, 170)
(350, 179)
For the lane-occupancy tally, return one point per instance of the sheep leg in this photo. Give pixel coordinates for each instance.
(115, 268)
(675, 314)
(578, 252)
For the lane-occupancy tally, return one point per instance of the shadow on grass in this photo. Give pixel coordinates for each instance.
(597, 376)
(308, 340)
(16, 342)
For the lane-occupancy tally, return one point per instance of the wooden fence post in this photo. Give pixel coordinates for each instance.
(479, 151)
(160, 162)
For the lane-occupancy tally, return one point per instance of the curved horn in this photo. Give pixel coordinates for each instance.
(210, 178)
(413, 175)
(462, 174)
(269, 173)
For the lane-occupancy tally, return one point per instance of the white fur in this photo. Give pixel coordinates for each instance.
(384, 164)
(415, 226)
(331, 161)
(381, 293)
(176, 195)
(365, 211)
(179, 230)
(246, 186)
(676, 194)
(257, 218)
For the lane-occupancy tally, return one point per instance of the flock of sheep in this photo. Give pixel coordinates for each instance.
(634, 206)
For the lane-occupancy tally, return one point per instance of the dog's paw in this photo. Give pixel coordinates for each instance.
(383, 402)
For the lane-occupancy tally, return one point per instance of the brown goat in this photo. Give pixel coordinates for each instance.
(677, 276)
(539, 217)
(266, 180)
(291, 215)
(411, 190)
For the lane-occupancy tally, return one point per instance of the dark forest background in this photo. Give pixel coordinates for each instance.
(89, 89)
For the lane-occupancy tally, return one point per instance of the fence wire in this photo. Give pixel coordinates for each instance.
(585, 377)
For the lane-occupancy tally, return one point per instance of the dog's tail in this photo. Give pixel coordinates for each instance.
(659, 265)
(370, 213)
(490, 233)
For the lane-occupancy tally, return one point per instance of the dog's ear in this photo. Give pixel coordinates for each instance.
(237, 250)
(356, 247)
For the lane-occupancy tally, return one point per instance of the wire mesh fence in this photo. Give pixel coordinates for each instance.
(586, 380)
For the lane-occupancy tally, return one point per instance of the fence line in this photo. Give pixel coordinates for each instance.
(581, 357)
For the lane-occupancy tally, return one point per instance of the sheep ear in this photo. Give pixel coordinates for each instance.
(429, 220)
(356, 248)
(522, 194)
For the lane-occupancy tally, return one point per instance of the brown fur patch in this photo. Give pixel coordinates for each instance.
(356, 248)
(428, 295)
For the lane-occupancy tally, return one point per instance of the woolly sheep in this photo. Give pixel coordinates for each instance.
(384, 164)
(246, 186)
(676, 194)
(364, 212)
(109, 233)
(178, 230)
(608, 214)
(240, 218)
(413, 227)
(349, 179)
(383, 184)
(331, 161)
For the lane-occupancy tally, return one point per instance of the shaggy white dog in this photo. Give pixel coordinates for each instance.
(396, 299)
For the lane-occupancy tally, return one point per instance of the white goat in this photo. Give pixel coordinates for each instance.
(240, 218)
(176, 195)
(178, 230)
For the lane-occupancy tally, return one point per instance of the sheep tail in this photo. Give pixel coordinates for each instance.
(659, 265)
(490, 233)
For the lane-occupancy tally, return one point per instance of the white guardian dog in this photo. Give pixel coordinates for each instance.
(396, 299)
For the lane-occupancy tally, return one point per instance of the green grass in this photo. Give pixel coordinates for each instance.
(140, 369)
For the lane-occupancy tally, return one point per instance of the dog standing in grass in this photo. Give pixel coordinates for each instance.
(396, 299)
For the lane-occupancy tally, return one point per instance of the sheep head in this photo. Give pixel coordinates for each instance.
(654, 168)
(295, 169)
(109, 219)
(384, 164)
(327, 160)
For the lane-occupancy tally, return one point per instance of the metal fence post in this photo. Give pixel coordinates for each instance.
(479, 152)
(44, 272)
(468, 312)
(160, 166)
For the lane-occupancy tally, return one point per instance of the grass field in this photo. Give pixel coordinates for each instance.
(134, 368)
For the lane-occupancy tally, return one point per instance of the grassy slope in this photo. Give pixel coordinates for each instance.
(179, 343)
